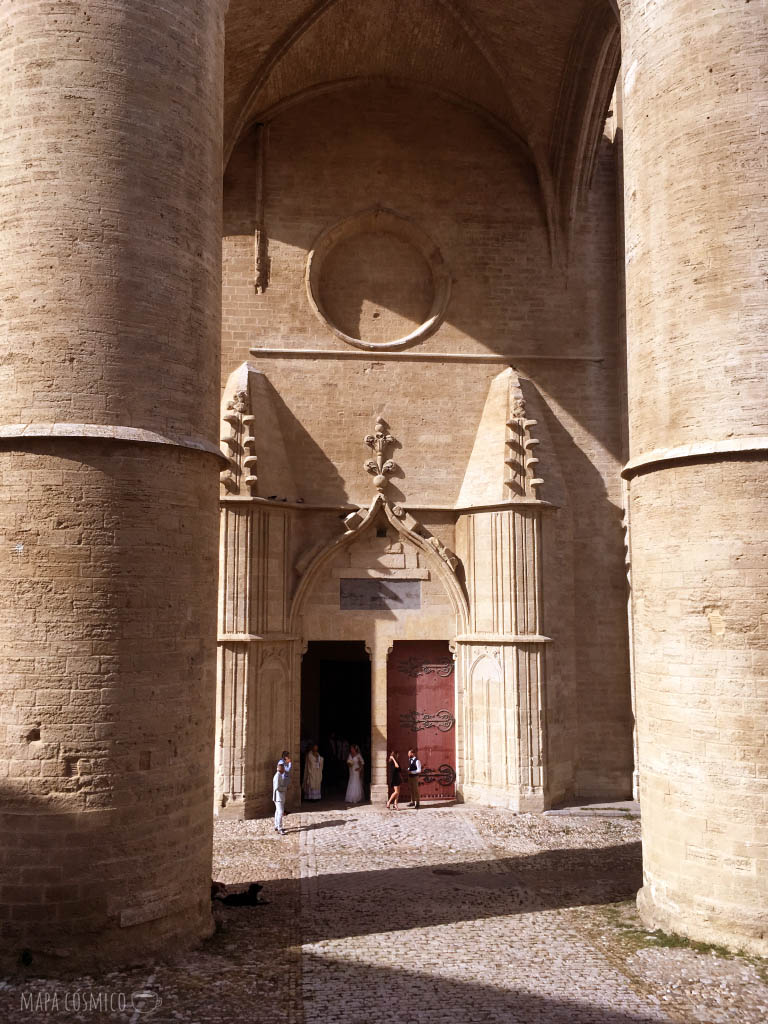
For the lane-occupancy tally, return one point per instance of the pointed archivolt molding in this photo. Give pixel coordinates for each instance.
(585, 95)
(437, 557)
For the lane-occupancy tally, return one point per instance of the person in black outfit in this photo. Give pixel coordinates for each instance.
(395, 780)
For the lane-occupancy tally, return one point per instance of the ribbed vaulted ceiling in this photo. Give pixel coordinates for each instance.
(536, 67)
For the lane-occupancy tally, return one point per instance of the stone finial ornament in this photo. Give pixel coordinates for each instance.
(380, 441)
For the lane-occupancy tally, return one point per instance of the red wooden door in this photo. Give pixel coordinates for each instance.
(421, 711)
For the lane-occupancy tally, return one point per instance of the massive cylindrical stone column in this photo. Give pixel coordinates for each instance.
(695, 148)
(110, 288)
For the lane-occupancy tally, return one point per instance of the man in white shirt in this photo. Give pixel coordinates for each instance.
(414, 771)
(279, 789)
(287, 763)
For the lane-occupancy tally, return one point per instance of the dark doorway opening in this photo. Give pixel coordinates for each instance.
(336, 710)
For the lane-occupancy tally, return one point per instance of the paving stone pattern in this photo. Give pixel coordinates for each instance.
(447, 914)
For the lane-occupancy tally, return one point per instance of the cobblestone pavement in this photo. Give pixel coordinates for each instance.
(447, 914)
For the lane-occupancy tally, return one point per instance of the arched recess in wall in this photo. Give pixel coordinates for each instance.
(483, 707)
(273, 669)
(262, 130)
(271, 716)
(412, 532)
(507, 131)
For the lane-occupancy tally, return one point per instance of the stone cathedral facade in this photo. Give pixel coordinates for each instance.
(435, 333)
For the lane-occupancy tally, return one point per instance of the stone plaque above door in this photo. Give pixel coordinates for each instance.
(379, 594)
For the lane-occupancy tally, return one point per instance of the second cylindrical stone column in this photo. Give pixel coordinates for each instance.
(694, 88)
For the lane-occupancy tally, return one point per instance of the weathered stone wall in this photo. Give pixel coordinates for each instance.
(110, 285)
(694, 90)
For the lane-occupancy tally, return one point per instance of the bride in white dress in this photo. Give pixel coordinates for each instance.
(355, 763)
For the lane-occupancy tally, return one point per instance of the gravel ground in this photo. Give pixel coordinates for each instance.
(458, 914)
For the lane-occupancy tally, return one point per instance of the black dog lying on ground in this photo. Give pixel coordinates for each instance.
(249, 898)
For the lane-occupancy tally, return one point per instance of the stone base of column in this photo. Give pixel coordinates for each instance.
(110, 918)
(247, 808)
(380, 793)
(719, 925)
(234, 810)
(107, 703)
(511, 799)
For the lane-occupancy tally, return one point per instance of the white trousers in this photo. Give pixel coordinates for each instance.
(279, 799)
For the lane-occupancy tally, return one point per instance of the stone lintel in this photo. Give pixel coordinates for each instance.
(250, 638)
(420, 356)
(301, 506)
(379, 574)
(234, 499)
(502, 638)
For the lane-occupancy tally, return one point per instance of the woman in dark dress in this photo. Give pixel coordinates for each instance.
(395, 780)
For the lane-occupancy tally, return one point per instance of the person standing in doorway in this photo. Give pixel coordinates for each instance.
(279, 789)
(313, 774)
(355, 764)
(414, 771)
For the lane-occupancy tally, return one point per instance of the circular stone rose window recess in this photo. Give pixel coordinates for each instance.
(378, 281)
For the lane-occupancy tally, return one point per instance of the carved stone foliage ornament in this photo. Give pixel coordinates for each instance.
(238, 444)
(521, 476)
(381, 467)
(380, 442)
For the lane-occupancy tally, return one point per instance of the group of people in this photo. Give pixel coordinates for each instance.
(313, 773)
(396, 779)
(313, 780)
(312, 786)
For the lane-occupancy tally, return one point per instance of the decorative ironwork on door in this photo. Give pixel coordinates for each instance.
(415, 721)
